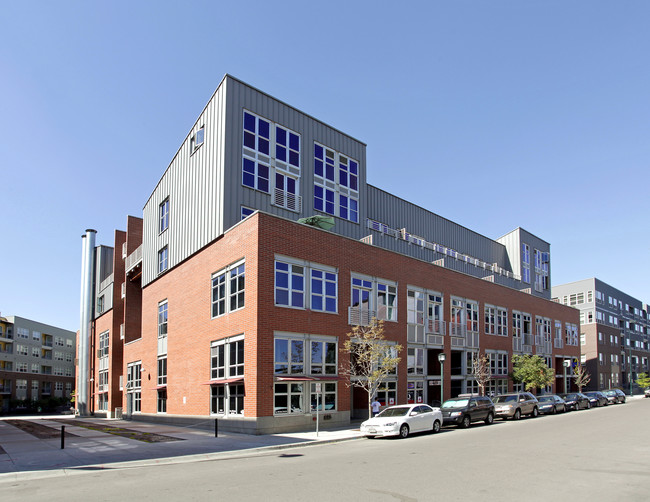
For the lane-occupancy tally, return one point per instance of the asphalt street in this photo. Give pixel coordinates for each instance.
(600, 454)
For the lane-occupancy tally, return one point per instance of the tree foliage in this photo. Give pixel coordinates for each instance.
(643, 380)
(581, 377)
(372, 358)
(532, 371)
(481, 372)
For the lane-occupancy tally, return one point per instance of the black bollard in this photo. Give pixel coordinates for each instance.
(216, 428)
(62, 437)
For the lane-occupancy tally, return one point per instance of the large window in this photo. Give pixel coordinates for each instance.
(271, 155)
(336, 183)
(227, 358)
(415, 361)
(162, 371)
(162, 319)
(102, 351)
(297, 354)
(415, 315)
(496, 321)
(498, 363)
(525, 263)
(291, 288)
(289, 398)
(372, 297)
(228, 289)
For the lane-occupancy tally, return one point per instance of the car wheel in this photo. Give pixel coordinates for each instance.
(466, 422)
(370, 437)
(490, 419)
(535, 412)
(517, 414)
(404, 431)
(436, 426)
(589, 405)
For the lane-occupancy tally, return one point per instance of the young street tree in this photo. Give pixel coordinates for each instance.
(481, 371)
(371, 358)
(532, 371)
(643, 380)
(581, 377)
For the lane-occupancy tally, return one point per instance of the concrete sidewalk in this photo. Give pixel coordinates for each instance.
(23, 456)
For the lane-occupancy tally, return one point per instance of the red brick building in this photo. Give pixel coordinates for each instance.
(227, 307)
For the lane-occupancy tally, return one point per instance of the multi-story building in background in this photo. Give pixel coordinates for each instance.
(37, 361)
(222, 304)
(614, 332)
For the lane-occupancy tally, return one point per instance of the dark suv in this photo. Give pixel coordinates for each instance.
(465, 409)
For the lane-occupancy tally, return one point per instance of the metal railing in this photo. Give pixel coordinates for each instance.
(133, 259)
(360, 316)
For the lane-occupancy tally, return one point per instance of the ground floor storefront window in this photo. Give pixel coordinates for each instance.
(227, 399)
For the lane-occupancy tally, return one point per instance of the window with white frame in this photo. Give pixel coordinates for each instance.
(58, 341)
(415, 315)
(22, 350)
(271, 155)
(291, 288)
(163, 259)
(246, 212)
(289, 398)
(163, 215)
(22, 333)
(472, 313)
(297, 354)
(415, 361)
(102, 351)
(163, 311)
(517, 324)
(496, 321)
(227, 358)
(22, 367)
(134, 384)
(571, 333)
(387, 393)
(228, 287)
(325, 400)
(525, 263)
(415, 391)
(336, 180)
(372, 297)
(36, 352)
(498, 362)
(162, 371)
(197, 139)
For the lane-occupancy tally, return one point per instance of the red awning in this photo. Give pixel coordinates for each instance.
(294, 379)
(224, 381)
(160, 387)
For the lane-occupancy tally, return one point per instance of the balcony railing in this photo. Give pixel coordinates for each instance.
(457, 329)
(287, 200)
(360, 316)
(516, 344)
(435, 327)
(558, 343)
(133, 259)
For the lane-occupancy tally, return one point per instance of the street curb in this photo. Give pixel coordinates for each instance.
(181, 459)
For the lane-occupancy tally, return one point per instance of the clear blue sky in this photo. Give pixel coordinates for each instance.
(494, 114)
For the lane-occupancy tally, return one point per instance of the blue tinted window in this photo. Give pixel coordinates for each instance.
(330, 304)
(291, 185)
(317, 302)
(249, 122)
(281, 136)
(297, 299)
(263, 145)
(281, 297)
(343, 178)
(264, 128)
(353, 167)
(329, 172)
(318, 151)
(249, 140)
(318, 167)
(281, 153)
(294, 142)
(281, 279)
(353, 182)
(294, 158)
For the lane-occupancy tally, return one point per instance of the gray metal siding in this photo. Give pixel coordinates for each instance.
(194, 184)
(398, 213)
(243, 97)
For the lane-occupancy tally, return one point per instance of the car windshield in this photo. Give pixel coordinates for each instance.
(395, 412)
(505, 399)
(543, 399)
(455, 403)
(610, 393)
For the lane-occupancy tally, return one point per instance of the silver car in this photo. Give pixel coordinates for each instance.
(515, 405)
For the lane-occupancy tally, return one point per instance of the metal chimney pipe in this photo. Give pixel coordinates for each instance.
(86, 317)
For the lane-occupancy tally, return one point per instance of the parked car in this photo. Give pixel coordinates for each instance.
(576, 401)
(646, 393)
(515, 405)
(550, 403)
(463, 410)
(597, 398)
(614, 396)
(403, 420)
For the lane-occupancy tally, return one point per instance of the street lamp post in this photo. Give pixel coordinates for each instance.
(441, 358)
(567, 364)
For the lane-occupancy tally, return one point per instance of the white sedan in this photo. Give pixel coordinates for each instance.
(402, 420)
